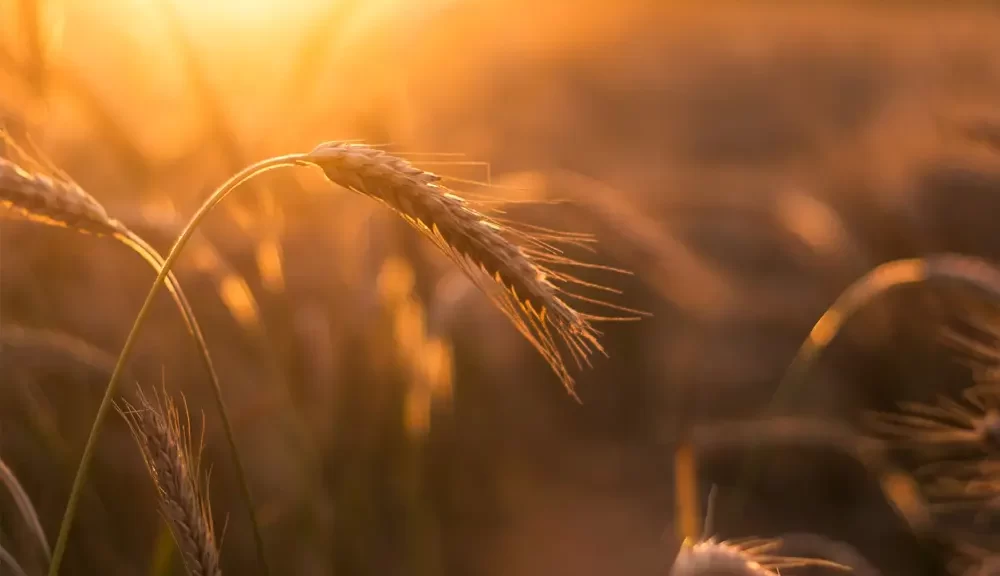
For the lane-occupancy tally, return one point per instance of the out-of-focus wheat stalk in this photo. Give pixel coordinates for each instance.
(31, 23)
(8, 559)
(24, 506)
(58, 201)
(900, 489)
(970, 270)
(174, 465)
(48, 200)
(268, 248)
(160, 215)
(947, 422)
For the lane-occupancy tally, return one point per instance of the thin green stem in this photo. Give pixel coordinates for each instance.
(109, 393)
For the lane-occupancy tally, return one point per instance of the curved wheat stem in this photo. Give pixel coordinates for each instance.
(24, 505)
(60, 202)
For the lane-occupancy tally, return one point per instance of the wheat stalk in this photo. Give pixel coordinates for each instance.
(58, 201)
(42, 198)
(173, 464)
(974, 423)
(516, 275)
(24, 506)
(8, 559)
(969, 270)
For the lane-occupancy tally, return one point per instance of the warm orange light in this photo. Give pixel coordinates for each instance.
(244, 14)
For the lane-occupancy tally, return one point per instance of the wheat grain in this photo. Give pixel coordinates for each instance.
(173, 464)
(515, 266)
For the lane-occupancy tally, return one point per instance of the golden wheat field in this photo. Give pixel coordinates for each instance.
(499, 287)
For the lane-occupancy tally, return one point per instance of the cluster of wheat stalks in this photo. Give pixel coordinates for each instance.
(522, 269)
(940, 487)
(165, 439)
(957, 441)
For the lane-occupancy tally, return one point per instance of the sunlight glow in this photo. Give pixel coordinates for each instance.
(247, 14)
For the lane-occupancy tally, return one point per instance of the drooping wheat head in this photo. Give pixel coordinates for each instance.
(957, 268)
(424, 359)
(518, 267)
(174, 465)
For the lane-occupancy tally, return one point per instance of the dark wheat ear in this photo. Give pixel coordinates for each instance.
(173, 462)
(521, 268)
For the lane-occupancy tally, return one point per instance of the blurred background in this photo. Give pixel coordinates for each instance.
(746, 160)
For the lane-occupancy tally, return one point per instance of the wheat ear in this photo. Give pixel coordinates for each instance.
(174, 465)
(470, 238)
(61, 202)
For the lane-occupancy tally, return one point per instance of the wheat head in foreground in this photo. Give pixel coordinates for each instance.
(172, 462)
(752, 557)
(515, 265)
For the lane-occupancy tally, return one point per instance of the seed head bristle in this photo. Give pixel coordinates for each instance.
(750, 557)
(974, 423)
(515, 266)
(952, 485)
(174, 465)
(52, 200)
